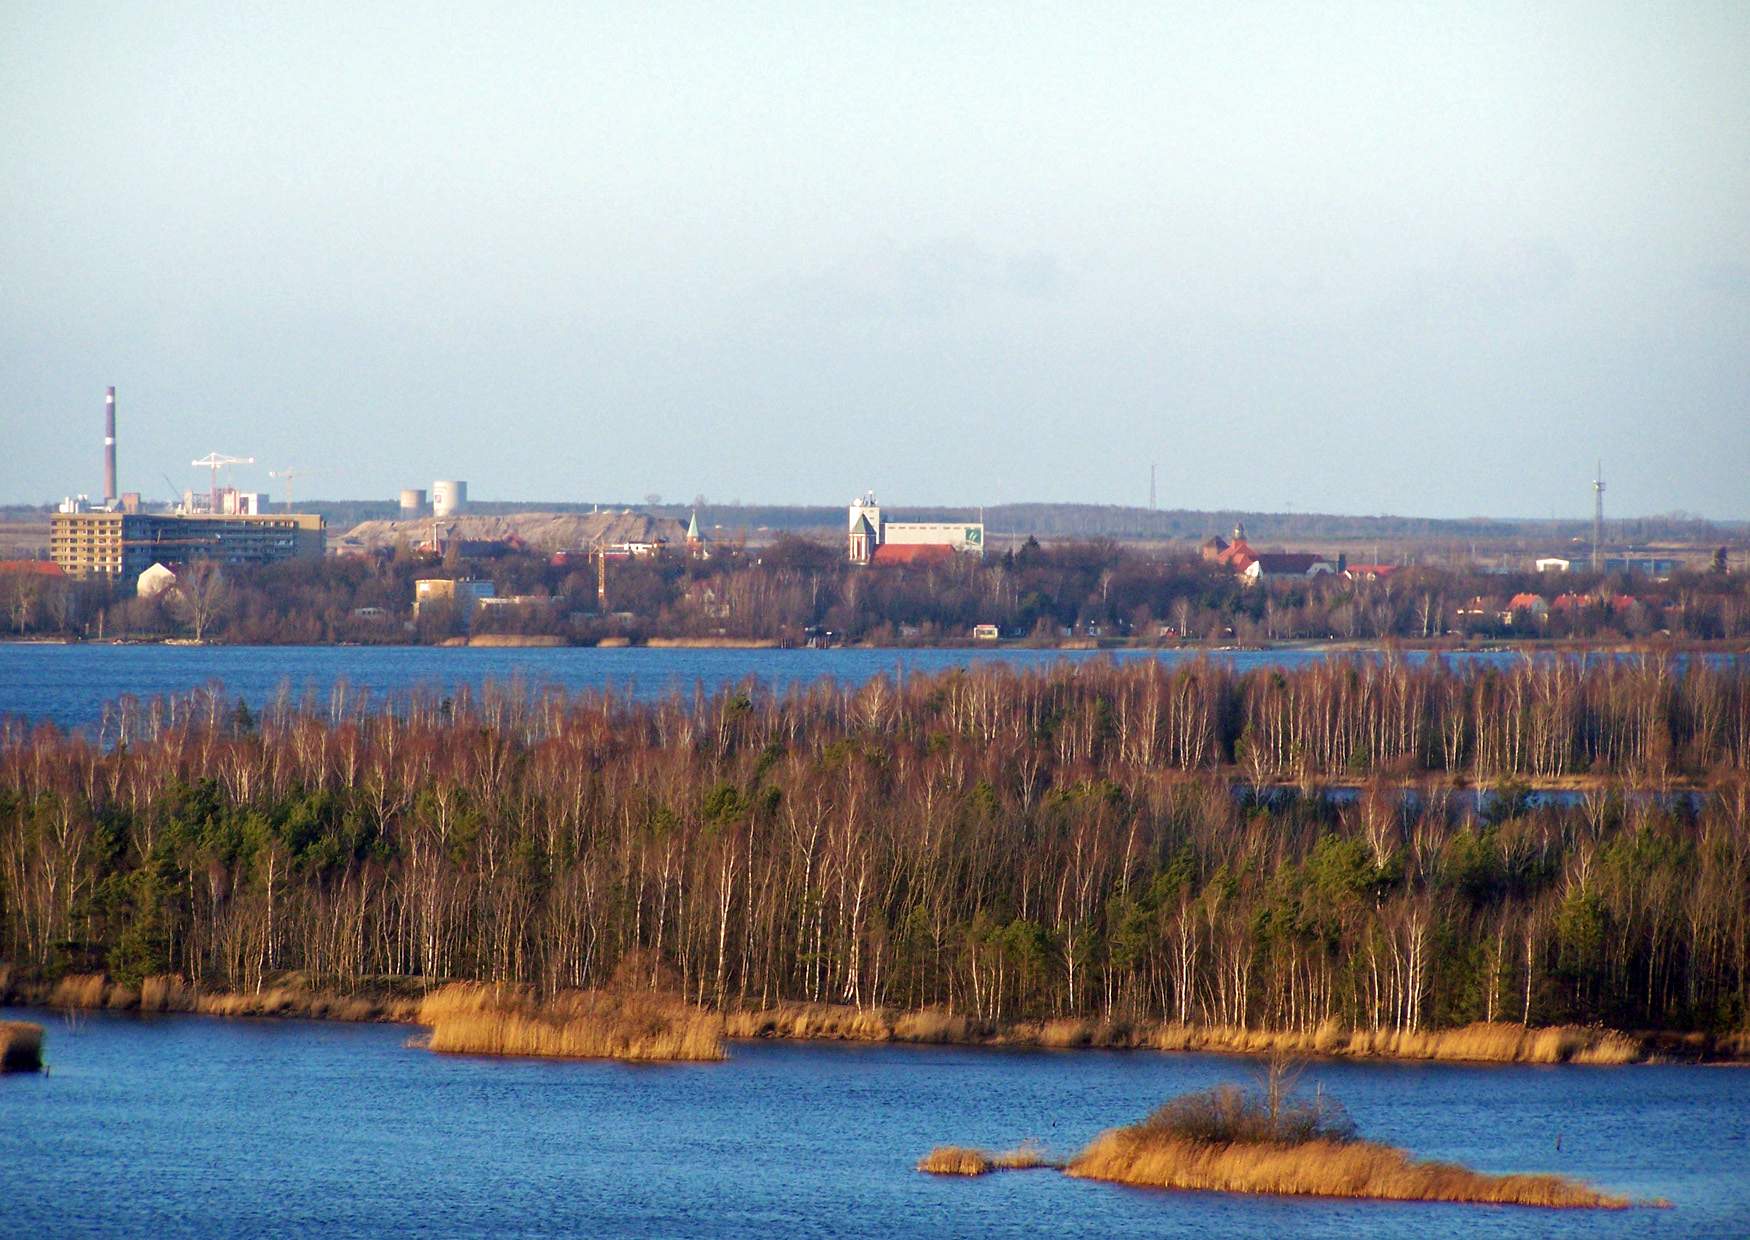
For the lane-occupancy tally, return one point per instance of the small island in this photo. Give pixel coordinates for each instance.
(1267, 1141)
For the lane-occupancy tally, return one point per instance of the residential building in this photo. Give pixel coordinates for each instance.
(1286, 564)
(1523, 606)
(124, 544)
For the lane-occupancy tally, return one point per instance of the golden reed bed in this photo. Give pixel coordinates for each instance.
(1476, 1043)
(172, 993)
(478, 1019)
(960, 1160)
(21, 1046)
(1317, 1169)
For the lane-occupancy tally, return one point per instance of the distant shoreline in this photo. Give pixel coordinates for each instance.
(1732, 646)
(397, 1001)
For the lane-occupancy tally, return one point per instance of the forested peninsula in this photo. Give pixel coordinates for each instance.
(1099, 847)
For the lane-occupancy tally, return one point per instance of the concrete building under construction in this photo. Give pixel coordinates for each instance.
(124, 544)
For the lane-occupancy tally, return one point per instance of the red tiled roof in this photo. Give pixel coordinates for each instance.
(1237, 556)
(37, 568)
(912, 553)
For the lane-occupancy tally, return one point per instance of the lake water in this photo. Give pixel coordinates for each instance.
(203, 1126)
(70, 684)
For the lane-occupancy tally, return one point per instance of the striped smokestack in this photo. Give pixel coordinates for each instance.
(109, 492)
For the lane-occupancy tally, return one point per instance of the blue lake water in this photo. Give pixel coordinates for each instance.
(203, 1126)
(70, 684)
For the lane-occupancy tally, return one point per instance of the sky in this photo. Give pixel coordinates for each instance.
(1420, 259)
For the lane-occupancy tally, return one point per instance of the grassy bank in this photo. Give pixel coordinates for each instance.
(478, 1019)
(21, 1046)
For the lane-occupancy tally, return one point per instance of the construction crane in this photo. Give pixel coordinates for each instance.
(216, 461)
(288, 475)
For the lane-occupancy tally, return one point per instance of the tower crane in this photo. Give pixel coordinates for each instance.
(216, 461)
(288, 475)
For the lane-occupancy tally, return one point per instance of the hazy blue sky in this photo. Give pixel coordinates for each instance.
(1404, 258)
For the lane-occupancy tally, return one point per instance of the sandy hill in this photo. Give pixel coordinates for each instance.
(545, 531)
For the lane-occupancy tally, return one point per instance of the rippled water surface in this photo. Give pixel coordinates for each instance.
(202, 1126)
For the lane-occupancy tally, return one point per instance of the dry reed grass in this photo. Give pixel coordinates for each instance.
(836, 1022)
(1476, 1043)
(21, 1046)
(173, 993)
(1479, 1043)
(1316, 1168)
(80, 990)
(473, 1018)
(961, 1160)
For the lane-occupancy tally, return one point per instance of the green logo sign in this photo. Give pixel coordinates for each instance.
(974, 536)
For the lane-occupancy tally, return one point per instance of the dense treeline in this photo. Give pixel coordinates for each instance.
(797, 590)
(1007, 845)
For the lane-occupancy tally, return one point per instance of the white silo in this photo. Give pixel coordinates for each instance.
(449, 498)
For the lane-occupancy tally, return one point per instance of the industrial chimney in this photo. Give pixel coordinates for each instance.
(109, 491)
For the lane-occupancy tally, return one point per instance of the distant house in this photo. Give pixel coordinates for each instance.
(1525, 605)
(985, 633)
(1553, 564)
(1287, 564)
(465, 592)
(1238, 557)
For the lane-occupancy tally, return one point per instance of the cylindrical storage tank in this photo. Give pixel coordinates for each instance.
(412, 502)
(449, 499)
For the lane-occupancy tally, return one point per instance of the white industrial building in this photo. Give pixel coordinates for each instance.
(871, 534)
